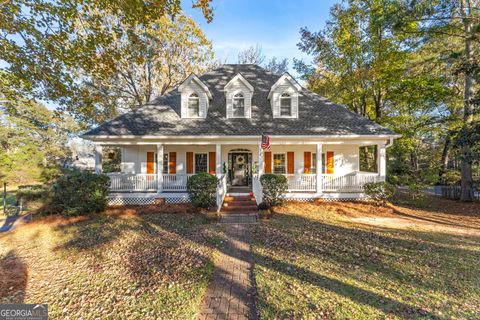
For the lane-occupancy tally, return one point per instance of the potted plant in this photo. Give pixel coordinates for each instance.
(264, 210)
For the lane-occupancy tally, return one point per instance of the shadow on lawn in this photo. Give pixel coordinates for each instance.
(154, 247)
(341, 246)
(13, 278)
(346, 248)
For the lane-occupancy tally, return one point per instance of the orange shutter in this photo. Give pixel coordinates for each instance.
(268, 162)
(172, 163)
(211, 162)
(307, 162)
(290, 163)
(330, 162)
(150, 162)
(189, 162)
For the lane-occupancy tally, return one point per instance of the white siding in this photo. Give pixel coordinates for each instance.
(134, 158)
(287, 87)
(239, 87)
(190, 88)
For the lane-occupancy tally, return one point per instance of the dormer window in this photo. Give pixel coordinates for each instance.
(238, 96)
(195, 98)
(284, 97)
(238, 105)
(285, 105)
(193, 105)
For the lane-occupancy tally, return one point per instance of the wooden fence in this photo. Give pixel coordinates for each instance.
(453, 192)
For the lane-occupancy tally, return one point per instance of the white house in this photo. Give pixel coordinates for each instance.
(214, 123)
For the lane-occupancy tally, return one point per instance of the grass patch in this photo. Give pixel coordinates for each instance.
(358, 261)
(154, 266)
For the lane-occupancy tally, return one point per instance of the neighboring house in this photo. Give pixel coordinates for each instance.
(214, 123)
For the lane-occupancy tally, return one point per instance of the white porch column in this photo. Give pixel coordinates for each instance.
(382, 161)
(98, 158)
(218, 159)
(319, 167)
(261, 161)
(159, 168)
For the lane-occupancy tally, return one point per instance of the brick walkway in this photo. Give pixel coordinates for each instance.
(230, 294)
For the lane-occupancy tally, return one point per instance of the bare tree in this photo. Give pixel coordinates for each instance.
(252, 55)
(279, 66)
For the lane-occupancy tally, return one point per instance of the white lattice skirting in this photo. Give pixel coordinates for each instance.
(141, 201)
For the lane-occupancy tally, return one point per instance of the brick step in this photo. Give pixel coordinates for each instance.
(238, 198)
(240, 209)
(234, 203)
(236, 213)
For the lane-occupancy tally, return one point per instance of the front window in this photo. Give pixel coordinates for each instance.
(193, 105)
(285, 105)
(279, 163)
(238, 105)
(368, 158)
(201, 162)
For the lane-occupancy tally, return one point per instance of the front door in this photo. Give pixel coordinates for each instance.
(239, 165)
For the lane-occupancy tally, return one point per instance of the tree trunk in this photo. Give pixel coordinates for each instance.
(466, 165)
(445, 156)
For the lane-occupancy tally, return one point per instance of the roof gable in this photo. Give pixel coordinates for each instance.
(285, 77)
(240, 78)
(197, 80)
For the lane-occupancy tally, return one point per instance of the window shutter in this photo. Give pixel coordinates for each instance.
(268, 162)
(184, 105)
(189, 162)
(295, 106)
(229, 107)
(248, 106)
(211, 162)
(307, 162)
(330, 162)
(172, 163)
(290, 162)
(150, 162)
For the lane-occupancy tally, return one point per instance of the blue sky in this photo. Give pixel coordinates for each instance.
(273, 25)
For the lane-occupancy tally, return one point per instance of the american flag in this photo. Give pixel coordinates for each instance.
(265, 142)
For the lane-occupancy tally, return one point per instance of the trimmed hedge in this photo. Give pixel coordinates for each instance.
(274, 188)
(202, 189)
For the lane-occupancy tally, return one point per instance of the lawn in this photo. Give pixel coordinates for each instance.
(358, 261)
(117, 265)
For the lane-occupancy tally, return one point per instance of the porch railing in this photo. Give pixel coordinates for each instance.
(301, 182)
(257, 189)
(132, 182)
(175, 182)
(352, 182)
(221, 190)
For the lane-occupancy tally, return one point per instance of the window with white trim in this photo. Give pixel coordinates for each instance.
(285, 105)
(279, 163)
(201, 162)
(193, 105)
(238, 105)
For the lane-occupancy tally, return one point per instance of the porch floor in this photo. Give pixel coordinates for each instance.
(239, 189)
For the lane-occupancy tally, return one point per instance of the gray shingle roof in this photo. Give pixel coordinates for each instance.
(317, 115)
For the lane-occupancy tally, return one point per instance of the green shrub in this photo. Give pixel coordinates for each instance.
(379, 192)
(26, 195)
(202, 189)
(451, 177)
(80, 192)
(274, 188)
